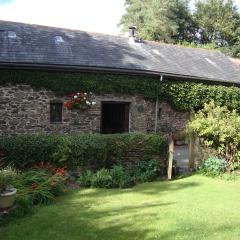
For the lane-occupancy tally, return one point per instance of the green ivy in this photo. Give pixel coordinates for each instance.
(182, 95)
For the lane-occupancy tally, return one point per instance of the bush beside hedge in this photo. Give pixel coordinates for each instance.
(87, 151)
(120, 177)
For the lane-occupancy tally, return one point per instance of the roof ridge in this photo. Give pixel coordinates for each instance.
(109, 35)
(58, 28)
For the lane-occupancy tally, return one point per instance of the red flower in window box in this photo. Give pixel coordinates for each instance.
(68, 105)
(80, 100)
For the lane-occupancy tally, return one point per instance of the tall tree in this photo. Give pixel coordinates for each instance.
(214, 23)
(218, 22)
(159, 20)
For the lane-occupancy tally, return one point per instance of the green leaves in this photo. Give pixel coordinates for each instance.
(213, 166)
(213, 23)
(219, 21)
(219, 128)
(158, 20)
(182, 95)
(122, 177)
(88, 151)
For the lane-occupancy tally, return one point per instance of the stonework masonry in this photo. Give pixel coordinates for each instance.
(26, 110)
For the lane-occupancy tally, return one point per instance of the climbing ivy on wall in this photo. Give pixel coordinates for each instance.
(182, 95)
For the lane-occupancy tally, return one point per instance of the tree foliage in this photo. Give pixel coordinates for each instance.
(158, 20)
(218, 21)
(214, 23)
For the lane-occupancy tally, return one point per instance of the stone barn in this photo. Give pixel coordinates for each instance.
(42, 69)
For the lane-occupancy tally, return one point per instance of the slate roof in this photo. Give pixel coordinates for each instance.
(36, 45)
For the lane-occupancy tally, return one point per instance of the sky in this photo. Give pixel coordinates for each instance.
(88, 15)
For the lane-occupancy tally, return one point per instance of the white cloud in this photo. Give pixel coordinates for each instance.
(89, 15)
(237, 2)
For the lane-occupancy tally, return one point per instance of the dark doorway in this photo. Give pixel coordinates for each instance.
(115, 117)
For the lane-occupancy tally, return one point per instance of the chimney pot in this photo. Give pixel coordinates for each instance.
(132, 31)
(132, 36)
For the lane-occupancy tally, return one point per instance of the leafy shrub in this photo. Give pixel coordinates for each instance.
(91, 151)
(214, 166)
(85, 180)
(121, 178)
(147, 171)
(219, 128)
(117, 177)
(102, 179)
(39, 185)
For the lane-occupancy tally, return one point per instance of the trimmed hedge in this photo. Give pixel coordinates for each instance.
(87, 151)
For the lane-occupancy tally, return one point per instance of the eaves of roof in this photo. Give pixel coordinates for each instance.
(77, 68)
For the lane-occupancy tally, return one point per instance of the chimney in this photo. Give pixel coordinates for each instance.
(132, 34)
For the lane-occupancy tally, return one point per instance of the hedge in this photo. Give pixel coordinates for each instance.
(182, 95)
(88, 151)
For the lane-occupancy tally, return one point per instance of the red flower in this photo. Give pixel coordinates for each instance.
(68, 105)
(61, 171)
(80, 100)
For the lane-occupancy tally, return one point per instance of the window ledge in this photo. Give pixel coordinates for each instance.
(56, 123)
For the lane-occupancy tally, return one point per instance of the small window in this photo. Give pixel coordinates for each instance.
(59, 39)
(12, 34)
(56, 112)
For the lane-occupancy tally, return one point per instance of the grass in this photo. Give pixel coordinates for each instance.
(194, 207)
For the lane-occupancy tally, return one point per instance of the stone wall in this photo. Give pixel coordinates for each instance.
(170, 119)
(25, 110)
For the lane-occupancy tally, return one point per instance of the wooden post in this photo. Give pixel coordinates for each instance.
(170, 156)
(192, 142)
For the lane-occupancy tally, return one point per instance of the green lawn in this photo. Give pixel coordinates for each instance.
(190, 208)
